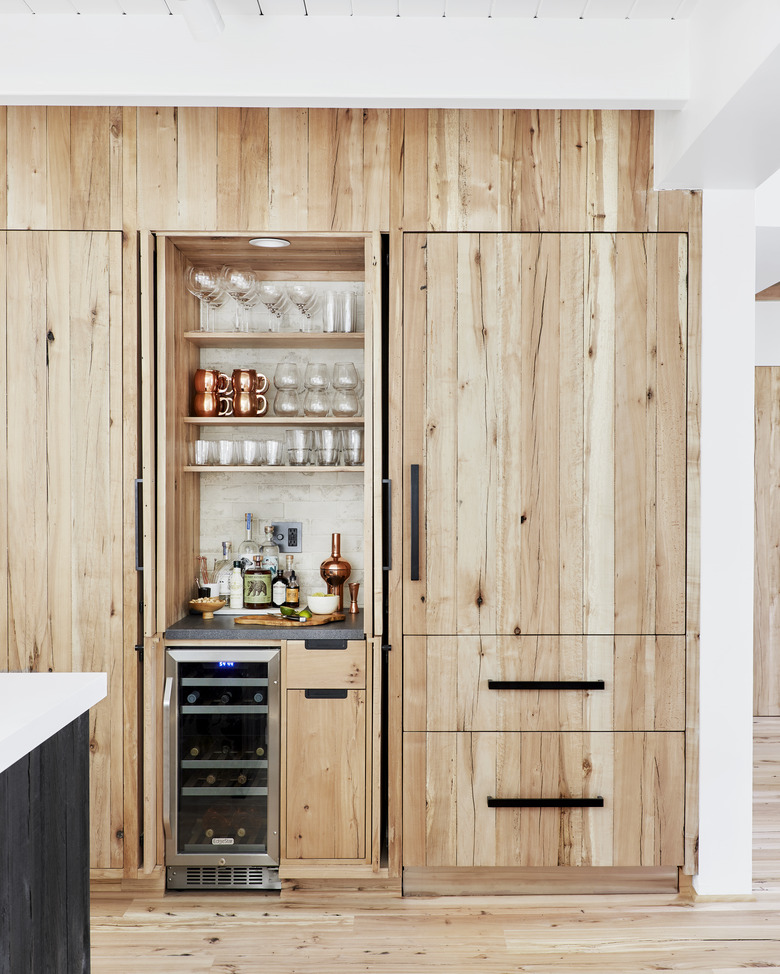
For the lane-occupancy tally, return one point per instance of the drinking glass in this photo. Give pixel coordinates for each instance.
(208, 285)
(277, 302)
(287, 376)
(305, 300)
(298, 447)
(345, 402)
(241, 284)
(202, 452)
(348, 311)
(226, 452)
(327, 443)
(316, 402)
(287, 403)
(251, 451)
(352, 442)
(331, 312)
(345, 376)
(274, 452)
(317, 376)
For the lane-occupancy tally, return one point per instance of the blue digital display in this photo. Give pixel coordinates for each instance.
(222, 664)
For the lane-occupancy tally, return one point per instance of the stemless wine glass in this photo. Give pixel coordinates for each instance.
(316, 402)
(287, 403)
(345, 376)
(345, 402)
(305, 300)
(241, 284)
(277, 302)
(208, 285)
(287, 376)
(317, 376)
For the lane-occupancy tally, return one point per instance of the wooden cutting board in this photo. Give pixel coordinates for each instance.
(280, 621)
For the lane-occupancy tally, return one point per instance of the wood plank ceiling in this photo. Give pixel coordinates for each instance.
(561, 9)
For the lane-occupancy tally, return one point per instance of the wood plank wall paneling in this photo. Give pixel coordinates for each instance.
(61, 168)
(4, 660)
(766, 616)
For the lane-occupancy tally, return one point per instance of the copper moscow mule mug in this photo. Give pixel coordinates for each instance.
(212, 380)
(247, 404)
(208, 404)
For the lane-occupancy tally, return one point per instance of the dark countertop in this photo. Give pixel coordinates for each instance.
(222, 627)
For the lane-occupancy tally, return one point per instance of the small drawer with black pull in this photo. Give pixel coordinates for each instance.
(328, 663)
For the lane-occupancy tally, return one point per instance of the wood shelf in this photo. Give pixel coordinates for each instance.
(274, 420)
(269, 339)
(266, 468)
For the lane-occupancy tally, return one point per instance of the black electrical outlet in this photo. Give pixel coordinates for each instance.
(289, 536)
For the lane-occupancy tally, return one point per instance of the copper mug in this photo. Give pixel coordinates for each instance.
(208, 404)
(212, 380)
(248, 380)
(247, 404)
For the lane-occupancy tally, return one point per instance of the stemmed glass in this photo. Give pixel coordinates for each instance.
(241, 284)
(208, 285)
(305, 300)
(277, 302)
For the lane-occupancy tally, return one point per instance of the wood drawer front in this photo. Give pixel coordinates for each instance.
(446, 683)
(448, 778)
(326, 667)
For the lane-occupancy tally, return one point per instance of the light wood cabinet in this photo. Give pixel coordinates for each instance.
(326, 774)
(544, 683)
(545, 430)
(635, 782)
(66, 482)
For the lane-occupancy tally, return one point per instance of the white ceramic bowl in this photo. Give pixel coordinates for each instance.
(323, 604)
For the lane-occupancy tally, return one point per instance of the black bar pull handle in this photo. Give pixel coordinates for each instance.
(325, 694)
(415, 504)
(545, 802)
(138, 566)
(387, 484)
(325, 644)
(545, 684)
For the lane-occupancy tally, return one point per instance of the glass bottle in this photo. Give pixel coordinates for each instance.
(292, 595)
(257, 586)
(279, 589)
(236, 587)
(222, 568)
(269, 551)
(248, 548)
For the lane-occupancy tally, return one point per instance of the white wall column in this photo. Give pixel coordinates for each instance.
(728, 349)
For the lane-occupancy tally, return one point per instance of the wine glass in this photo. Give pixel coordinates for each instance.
(305, 300)
(345, 402)
(317, 376)
(345, 376)
(241, 284)
(208, 285)
(287, 376)
(277, 302)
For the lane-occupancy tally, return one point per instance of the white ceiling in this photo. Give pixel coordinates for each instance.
(559, 9)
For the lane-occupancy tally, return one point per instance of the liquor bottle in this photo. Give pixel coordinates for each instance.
(248, 548)
(236, 587)
(224, 698)
(222, 568)
(269, 551)
(193, 696)
(279, 589)
(257, 586)
(335, 571)
(292, 596)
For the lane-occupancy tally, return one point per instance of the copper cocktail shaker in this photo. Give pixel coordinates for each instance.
(335, 571)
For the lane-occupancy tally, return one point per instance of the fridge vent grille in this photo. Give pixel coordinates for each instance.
(242, 877)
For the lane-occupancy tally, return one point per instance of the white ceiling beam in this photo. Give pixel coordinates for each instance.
(235, 8)
(283, 8)
(726, 136)
(374, 8)
(608, 8)
(561, 8)
(421, 8)
(329, 8)
(653, 9)
(467, 8)
(515, 8)
(355, 61)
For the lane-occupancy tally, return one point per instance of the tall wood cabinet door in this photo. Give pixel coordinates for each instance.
(69, 563)
(326, 774)
(544, 433)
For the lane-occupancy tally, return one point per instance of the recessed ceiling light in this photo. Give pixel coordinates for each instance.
(269, 242)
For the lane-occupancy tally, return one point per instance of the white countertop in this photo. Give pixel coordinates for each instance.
(34, 706)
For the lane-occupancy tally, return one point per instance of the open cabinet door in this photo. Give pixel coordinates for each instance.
(146, 503)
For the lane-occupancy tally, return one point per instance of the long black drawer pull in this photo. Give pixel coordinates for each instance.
(545, 684)
(415, 505)
(545, 802)
(325, 644)
(325, 694)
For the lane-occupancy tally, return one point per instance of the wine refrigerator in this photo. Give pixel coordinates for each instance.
(221, 768)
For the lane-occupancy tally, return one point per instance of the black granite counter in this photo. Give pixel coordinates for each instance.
(223, 627)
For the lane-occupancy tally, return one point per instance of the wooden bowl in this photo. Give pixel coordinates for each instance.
(207, 606)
